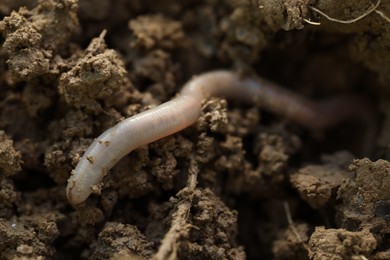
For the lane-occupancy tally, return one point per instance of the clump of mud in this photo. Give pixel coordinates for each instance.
(241, 183)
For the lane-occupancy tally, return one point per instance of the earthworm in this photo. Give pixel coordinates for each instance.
(185, 109)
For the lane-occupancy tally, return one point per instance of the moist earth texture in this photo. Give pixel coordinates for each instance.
(241, 183)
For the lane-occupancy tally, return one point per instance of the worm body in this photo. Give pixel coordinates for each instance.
(185, 109)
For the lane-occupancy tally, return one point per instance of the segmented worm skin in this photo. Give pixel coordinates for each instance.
(185, 109)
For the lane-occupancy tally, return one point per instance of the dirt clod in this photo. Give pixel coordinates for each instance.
(341, 244)
(153, 31)
(117, 238)
(98, 74)
(10, 159)
(318, 184)
(365, 195)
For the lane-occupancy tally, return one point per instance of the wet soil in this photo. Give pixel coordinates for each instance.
(241, 183)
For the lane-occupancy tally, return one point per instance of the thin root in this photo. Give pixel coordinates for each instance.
(290, 221)
(311, 22)
(180, 228)
(383, 15)
(292, 226)
(372, 9)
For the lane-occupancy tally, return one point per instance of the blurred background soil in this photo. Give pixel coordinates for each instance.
(241, 183)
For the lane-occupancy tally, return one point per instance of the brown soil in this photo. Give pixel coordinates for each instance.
(241, 183)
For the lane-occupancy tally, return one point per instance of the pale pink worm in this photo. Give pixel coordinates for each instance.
(185, 109)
